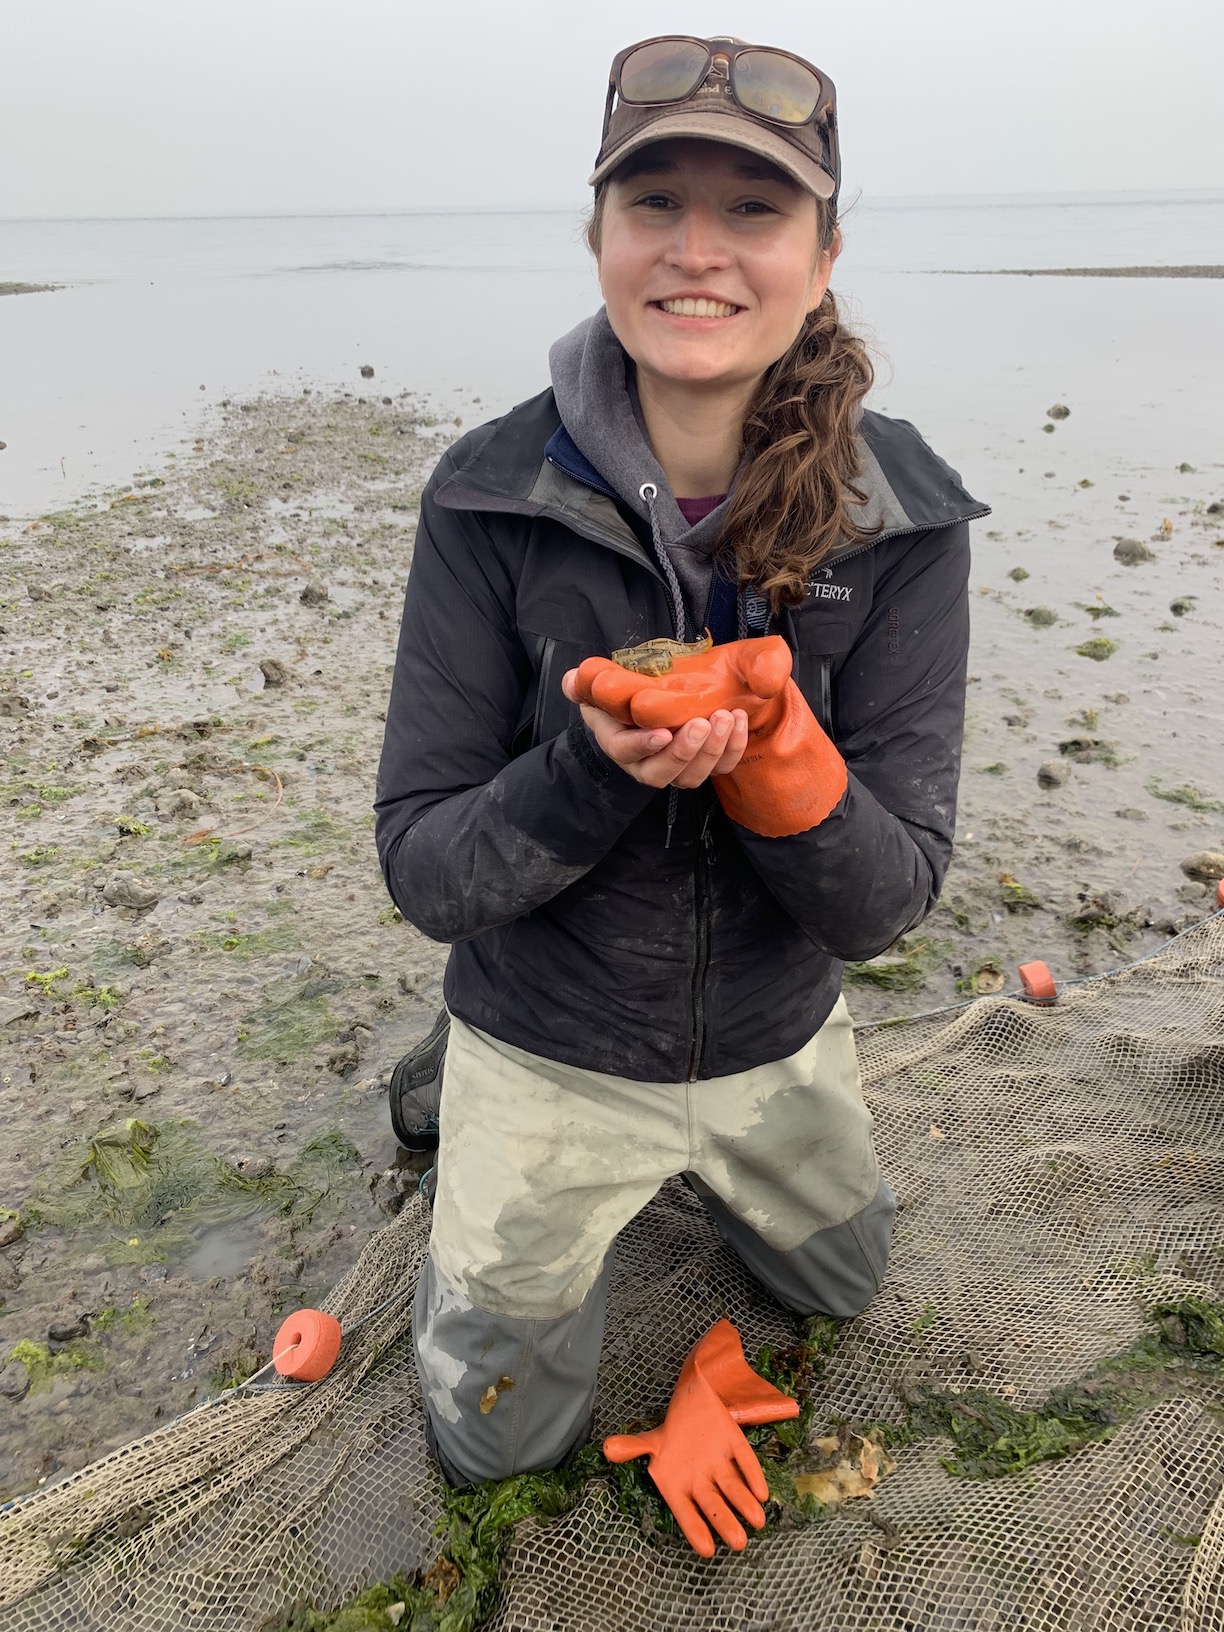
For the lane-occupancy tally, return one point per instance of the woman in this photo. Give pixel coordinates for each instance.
(646, 964)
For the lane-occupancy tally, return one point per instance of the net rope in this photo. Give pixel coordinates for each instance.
(1059, 1169)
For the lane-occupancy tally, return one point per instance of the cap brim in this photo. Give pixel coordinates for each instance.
(732, 131)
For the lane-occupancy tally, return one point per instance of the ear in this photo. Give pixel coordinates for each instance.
(823, 270)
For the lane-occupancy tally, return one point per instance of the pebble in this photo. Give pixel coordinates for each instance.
(11, 1229)
(1041, 617)
(1059, 411)
(367, 372)
(14, 1378)
(314, 595)
(1132, 552)
(126, 890)
(1205, 865)
(1182, 605)
(66, 1325)
(274, 671)
(1052, 773)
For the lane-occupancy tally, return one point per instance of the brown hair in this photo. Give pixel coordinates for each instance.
(794, 498)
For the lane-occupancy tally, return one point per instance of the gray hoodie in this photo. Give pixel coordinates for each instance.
(597, 401)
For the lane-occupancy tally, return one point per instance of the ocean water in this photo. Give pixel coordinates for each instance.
(158, 320)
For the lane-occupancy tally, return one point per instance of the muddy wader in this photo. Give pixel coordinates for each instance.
(541, 1165)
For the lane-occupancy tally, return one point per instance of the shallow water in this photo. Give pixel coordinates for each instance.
(102, 375)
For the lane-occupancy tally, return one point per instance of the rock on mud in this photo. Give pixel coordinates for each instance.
(314, 595)
(274, 671)
(367, 371)
(1132, 552)
(1052, 773)
(67, 1324)
(1205, 865)
(14, 1378)
(126, 890)
(1059, 411)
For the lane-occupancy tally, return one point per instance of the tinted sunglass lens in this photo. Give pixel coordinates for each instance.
(665, 71)
(776, 87)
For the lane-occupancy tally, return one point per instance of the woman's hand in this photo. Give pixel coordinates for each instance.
(662, 759)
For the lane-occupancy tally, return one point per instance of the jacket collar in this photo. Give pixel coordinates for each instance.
(527, 464)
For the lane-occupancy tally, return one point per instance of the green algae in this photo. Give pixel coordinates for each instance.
(903, 968)
(313, 832)
(1189, 796)
(1098, 648)
(256, 943)
(293, 1017)
(148, 1189)
(45, 1365)
(1181, 1352)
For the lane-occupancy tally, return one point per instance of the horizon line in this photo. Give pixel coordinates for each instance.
(887, 200)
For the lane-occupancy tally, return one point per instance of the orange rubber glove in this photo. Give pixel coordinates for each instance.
(704, 1468)
(790, 776)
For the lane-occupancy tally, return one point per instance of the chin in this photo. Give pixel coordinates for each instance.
(689, 366)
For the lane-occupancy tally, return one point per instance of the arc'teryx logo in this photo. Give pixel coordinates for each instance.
(820, 589)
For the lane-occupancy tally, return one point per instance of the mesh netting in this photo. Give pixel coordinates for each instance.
(1059, 1169)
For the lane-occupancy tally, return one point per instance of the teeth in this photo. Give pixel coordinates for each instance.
(698, 308)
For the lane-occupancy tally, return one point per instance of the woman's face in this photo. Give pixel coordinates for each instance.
(709, 262)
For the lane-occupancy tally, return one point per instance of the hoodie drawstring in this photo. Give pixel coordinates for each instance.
(648, 493)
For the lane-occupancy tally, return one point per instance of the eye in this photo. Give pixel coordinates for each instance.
(654, 201)
(755, 206)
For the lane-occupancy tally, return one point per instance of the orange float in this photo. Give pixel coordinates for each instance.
(306, 1346)
(1038, 983)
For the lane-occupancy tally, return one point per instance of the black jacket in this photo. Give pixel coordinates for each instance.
(579, 932)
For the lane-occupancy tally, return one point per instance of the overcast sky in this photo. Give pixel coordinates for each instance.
(150, 107)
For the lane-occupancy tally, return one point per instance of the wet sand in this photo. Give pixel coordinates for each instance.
(200, 959)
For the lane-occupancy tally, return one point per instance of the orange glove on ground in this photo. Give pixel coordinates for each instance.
(704, 1468)
(790, 777)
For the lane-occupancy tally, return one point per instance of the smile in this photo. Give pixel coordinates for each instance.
(697, 308)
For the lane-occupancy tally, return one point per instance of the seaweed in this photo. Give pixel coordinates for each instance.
(45, 1365)
(151, 1186)
(992, 1438)
(903, 968)
(1189, 796)
(1098, 648)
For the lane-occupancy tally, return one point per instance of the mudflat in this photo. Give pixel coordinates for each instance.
(203, 984)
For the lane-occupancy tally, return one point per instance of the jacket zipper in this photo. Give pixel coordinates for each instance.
(701, 955)
(899, 532)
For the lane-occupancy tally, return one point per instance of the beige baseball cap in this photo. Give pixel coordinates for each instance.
(808, 153)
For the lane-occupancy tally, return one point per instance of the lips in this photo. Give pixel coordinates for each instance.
(698, 306)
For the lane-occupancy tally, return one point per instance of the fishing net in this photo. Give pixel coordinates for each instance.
(1061, 1172)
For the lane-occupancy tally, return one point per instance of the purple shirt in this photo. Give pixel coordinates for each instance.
(695, 510)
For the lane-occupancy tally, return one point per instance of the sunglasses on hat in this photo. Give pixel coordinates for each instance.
(775, 87)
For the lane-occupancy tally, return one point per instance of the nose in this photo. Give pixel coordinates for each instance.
(699, 241)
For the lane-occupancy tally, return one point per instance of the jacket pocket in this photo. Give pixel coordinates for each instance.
(820, 646)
